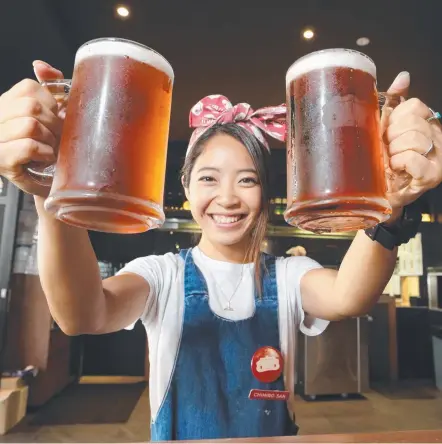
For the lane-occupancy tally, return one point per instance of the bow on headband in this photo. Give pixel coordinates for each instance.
(217, 109)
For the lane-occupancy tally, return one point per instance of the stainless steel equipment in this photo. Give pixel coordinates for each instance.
(335, 362)
(434, 274)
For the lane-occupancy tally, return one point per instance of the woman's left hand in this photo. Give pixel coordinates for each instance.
(413, 167)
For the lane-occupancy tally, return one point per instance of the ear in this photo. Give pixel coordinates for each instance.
(186, 190)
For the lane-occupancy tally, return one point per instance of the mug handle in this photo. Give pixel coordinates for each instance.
(387, 101)
(43, 173)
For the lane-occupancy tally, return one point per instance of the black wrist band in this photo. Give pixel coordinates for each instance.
(381, 234)
(399, 233)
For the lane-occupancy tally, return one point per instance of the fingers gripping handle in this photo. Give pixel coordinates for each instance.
(43, 173)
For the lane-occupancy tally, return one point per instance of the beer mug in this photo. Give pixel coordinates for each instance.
(336, 177)
(111, 164)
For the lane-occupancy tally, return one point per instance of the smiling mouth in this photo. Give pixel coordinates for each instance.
(227, 220)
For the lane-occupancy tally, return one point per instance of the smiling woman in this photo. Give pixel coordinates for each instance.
(214, 313)
(229, 304)
(237, 220)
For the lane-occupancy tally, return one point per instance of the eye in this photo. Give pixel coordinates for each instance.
(249, 181)
(206, 179)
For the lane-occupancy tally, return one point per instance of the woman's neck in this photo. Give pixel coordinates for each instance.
(228, 253)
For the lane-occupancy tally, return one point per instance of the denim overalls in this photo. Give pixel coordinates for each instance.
(207, 397)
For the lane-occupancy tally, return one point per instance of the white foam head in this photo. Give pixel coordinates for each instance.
(331, 58)
(121, 47)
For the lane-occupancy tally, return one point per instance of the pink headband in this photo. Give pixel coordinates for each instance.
(217, 109)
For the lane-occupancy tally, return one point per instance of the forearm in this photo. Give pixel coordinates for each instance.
(69, 274)
(363, 275)
(365, 271)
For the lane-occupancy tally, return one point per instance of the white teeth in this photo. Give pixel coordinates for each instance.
(225, 219)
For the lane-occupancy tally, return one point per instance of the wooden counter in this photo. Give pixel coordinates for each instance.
(418, 436)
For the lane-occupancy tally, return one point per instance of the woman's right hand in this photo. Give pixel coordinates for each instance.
(30, 128)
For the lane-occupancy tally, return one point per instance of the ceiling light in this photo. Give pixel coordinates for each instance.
(123, 11)
(363, 41)
(308, 34)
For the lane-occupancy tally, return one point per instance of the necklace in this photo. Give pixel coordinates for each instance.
(228, 307)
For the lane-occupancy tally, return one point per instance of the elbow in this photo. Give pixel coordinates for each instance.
(78, 329)
(70, 330)
(355, 304)
(77, 324)
(357, 313)
(352, 311)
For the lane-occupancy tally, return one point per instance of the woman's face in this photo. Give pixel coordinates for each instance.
(224, 192)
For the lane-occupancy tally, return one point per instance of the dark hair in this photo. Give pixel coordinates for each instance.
(260, 157)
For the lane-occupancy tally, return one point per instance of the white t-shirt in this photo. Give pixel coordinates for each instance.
(164, 311)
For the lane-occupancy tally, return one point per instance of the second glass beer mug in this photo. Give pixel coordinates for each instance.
(111, 163)
(335, 161)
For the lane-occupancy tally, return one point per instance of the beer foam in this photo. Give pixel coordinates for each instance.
(121, 47)
(330, 58)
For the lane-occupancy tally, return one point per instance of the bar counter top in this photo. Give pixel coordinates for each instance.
(410, 436)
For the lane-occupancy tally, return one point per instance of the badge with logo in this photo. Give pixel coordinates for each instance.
(267, 366)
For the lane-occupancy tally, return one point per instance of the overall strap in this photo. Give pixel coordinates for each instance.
(268, 280)
(193, 279)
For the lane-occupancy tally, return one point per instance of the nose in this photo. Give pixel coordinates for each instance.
(227, 196)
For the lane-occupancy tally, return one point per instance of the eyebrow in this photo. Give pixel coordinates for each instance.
(244, 170)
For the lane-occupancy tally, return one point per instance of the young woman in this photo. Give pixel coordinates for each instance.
(208, 310)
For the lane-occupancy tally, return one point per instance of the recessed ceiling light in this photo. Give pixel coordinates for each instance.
(123, 11)
(363, 41)
(308, 33)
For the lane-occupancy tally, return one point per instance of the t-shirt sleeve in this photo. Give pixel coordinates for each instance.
(297, 267)
(157, 271)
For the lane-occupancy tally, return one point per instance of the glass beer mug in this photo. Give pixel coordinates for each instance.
(336, 177)
(111, 165)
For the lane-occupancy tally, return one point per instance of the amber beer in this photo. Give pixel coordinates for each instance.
(335, 166)
(111, 163)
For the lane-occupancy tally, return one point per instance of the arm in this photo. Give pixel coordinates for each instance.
(355, 288)
(79, 301)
